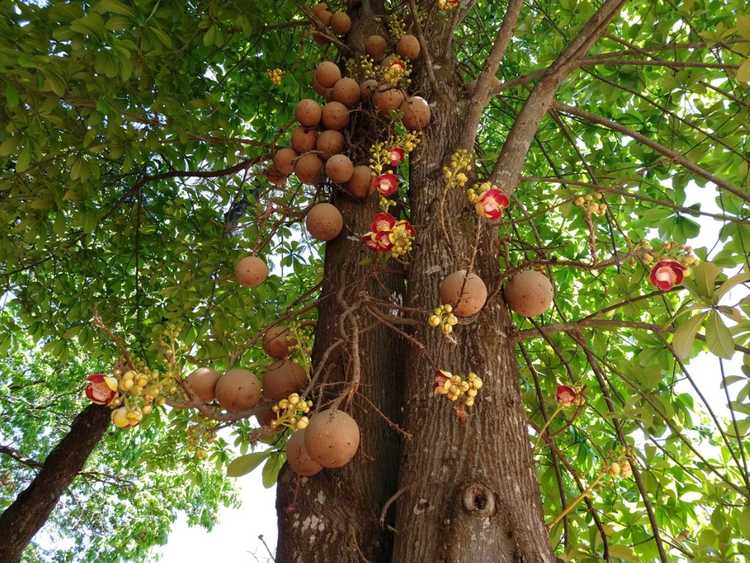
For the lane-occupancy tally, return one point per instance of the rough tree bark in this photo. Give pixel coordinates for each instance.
(28, 513)
(335, 516)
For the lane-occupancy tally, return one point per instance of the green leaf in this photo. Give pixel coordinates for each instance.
(11, 95)
(730, 283)
(246, 463)
(115, 7)
(8, 146)
(743, 73)
(271, 469)
(163, 37)
(684, 336)
(623, 552)
(718, 338)
(24, 159)
(704, 275)
(743, 26)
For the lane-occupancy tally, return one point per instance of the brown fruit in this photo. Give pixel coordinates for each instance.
(282, 379)
(335, 116)
(263, 414)
(387, 99)
(319, 90)
(341, 23)
(319, 8)
(238, 390)
(327, 73)
(275, 177)
(309, 168)
(298, 458)
(408, 47)
(375, 45)
(367, 88)
(324, 222)
(278, 341)
(303, 140)
(529, 293)
(330, 143)
(202, 381)
(360, 184)
(416, 112)
(250, 271)
(283, 160)
(332, 438)
(324, 16)
(346, 91)
(308, 113)
(339, 168)
(319, 38)
(474, 295)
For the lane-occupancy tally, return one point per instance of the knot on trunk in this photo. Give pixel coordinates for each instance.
(478, 500)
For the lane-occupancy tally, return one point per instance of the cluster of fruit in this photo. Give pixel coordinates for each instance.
(291, 413)
(337, 22)
(590, 204)
(455, 387)
(444, 318)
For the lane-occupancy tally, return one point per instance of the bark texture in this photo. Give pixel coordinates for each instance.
(335, 515)
(28, 513)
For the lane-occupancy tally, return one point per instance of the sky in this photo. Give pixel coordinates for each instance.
(235, 537)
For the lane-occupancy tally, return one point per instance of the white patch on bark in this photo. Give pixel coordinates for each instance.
(420, 506)
(321, 498)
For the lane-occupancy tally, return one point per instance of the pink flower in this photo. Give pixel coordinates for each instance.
(666, 274)
(396, 155)
(378, 242)
(383, 222)
(100, 389)
(386, 184)
(491, 203)
(566, 396)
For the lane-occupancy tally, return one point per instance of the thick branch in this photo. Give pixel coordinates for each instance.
(508, 167)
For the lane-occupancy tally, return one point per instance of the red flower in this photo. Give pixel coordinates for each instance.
(386, 184)
(397, 63)
(378, 241)
(99, 389)
(491, 203)
(408, 227)
(383, 222)
(396, 155)
(666, 274)
(566, 396)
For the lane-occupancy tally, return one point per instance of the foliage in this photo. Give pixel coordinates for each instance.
(121, 125)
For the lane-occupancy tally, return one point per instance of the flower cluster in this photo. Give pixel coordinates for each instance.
(568, 396)
(291, 413)
(396, 26)
(673, 266)
(456, 171)
(386, 184)
(447, 5)
(387, 234)
(454, 387)
(275, 75)
(391, 152)
(489, 201)
(101, 389)
(444, 318)
(394, 70)
(620, 469)
(590, 204)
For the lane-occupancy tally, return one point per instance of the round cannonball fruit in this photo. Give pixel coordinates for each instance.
(327, 73)
(346, 91)
(367, 88)
(387, 99)
(278, 342)
(308, 113)
(335, 116)
(474, 295)
(360, 185)
(332, 438)
(282, 379)
(330, 143)
(202, 381)
(298, 457)
(275, 177)
(416, 112)
(319, 90)
(303, 140)
(375, 45)
(324, 221)
(309, 168)
(529, 293)
(250, 271)
(283, 160)
(238, 390)
(263, 413)
(322, 12)
(408, 47)
(339, 168)
(341, 23)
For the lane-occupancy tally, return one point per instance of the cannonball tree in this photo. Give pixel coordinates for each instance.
(453, 258)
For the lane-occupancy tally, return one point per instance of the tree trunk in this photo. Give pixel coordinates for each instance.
(470, 489)
(28, 513)
(335, 515)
